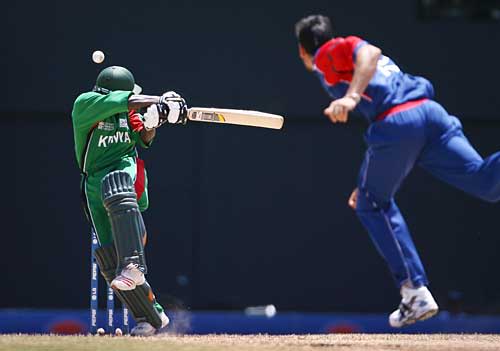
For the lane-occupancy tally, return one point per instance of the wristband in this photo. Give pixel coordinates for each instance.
(355, 96)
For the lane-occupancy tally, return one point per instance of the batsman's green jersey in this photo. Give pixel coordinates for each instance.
(106, 135)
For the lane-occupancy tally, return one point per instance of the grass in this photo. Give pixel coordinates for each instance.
(342, 342)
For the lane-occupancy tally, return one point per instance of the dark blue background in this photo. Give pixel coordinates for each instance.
(239, 216)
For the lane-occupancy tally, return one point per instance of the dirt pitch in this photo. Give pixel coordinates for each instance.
(341, 342)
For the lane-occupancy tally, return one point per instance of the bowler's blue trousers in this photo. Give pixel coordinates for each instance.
(426, 136)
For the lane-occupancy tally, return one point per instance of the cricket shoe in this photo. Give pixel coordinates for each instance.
(416, 305)
(146, 329)
(129, 278)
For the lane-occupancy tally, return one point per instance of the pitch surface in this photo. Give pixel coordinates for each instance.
(341, 342)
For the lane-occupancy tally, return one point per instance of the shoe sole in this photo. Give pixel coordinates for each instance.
(422, 317)
(428, 314)
(122, 287)
(144, 335)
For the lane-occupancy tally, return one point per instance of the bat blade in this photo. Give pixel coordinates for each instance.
(238, 117)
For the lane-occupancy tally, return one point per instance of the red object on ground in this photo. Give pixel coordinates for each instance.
(68, 327)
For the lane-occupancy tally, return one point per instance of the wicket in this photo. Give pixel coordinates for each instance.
(110, 297)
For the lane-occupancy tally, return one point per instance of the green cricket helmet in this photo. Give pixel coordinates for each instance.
(116, 78)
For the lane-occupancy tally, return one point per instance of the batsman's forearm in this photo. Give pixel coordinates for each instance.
(366, 65)
(135, 102)
(148, 135)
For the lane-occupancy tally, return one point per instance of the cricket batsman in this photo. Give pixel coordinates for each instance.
(107, 128)
(406, 128)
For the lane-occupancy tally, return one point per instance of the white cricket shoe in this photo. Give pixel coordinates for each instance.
(143, 329)
(416, 305)
(129, 278)
(146, 329)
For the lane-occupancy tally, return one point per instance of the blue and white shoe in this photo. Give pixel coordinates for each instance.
(416, 305)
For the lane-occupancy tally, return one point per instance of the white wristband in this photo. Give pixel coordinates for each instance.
(355, 96)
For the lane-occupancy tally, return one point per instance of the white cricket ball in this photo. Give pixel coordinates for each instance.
(118, 332)
(101, 331)
(98, 56)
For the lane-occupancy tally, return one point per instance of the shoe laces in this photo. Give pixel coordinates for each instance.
(406, 308)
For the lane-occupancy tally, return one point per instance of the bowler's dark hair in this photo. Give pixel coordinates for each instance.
(313, 31)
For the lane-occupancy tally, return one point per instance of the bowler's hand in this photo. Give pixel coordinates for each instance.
(339, 109)
(353, 199)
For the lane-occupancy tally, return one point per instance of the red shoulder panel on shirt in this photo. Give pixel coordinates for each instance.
(334, 59)
(135, 121)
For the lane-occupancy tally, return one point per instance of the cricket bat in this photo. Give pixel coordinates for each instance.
(239, 117)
